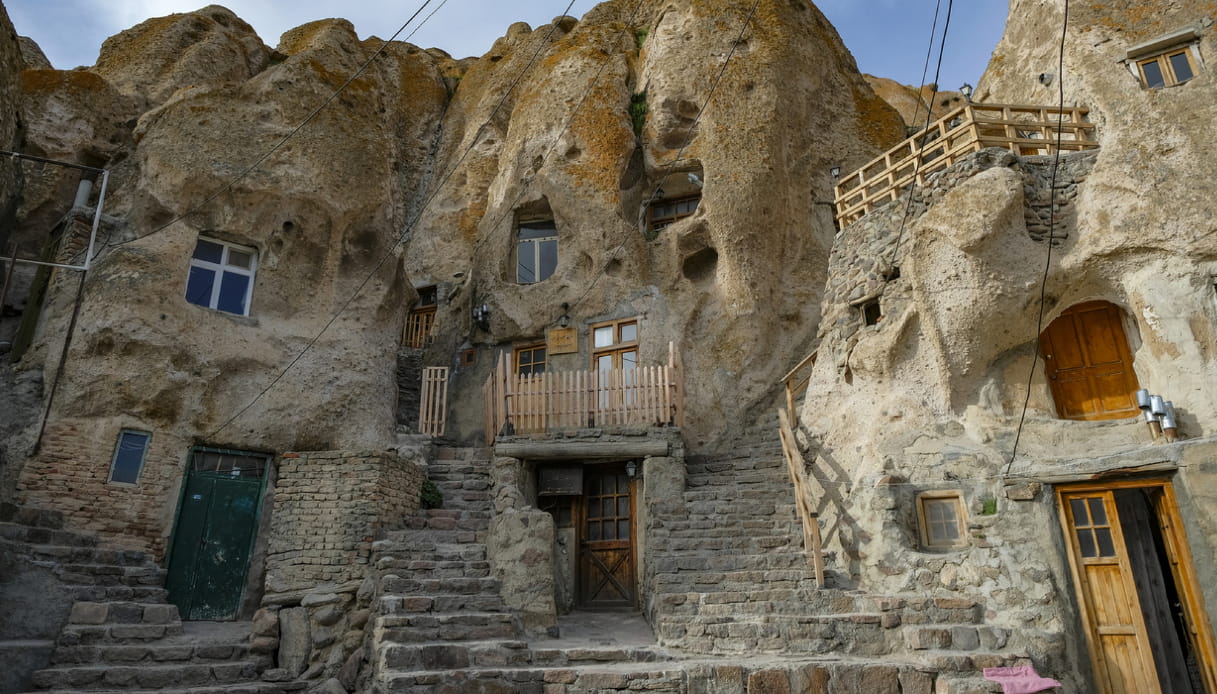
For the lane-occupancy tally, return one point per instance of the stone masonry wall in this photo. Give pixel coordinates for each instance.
(329, 507)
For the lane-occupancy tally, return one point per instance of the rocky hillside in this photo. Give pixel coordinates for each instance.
(449, 155)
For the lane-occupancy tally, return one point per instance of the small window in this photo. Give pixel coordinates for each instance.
(871, 313)
(530, 359)
(221, 276)
(129, 456)
(219, 461)
(941, 519)
(1167, 69)
(664, 212)
(421, 319)
(536, 252)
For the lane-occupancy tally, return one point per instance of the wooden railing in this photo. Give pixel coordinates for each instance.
(556, 400)
(1023, 130)
(433, 405)
(811, 520)
(417, 332)
(796, 381)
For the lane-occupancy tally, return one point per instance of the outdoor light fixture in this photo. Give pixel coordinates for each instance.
(564, 320)
(481, 316)
(1045, 78)
(966, 90)
(631, 468)
(835, 171)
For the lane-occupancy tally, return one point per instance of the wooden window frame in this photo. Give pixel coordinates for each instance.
(618, 346)
(518, 352)
(961, 519)
(657, 222)
(1162, 59)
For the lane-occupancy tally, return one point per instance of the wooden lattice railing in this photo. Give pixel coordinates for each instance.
(417, 331)
(1024, 130)
(433, 405)
(556, 400)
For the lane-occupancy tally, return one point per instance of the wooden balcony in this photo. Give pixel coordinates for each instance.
(1024, 130)
(559, 400)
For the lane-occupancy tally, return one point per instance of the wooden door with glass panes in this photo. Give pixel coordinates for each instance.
(1108, 595)
(606, 532)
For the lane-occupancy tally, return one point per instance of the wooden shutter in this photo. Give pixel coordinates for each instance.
(1089, 365)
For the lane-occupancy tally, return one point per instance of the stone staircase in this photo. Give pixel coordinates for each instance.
(442, 623)
(730, 577)
(106, 623)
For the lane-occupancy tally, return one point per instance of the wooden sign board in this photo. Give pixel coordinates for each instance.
(562, 341)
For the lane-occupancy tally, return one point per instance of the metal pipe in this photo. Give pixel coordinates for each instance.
(44, 160)
(1143, 399)
(1152, 422)
(83, 191)
(101, 201)
(1170, 427)
(1157, 405)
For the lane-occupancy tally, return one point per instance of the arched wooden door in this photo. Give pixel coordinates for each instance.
(1089, 364)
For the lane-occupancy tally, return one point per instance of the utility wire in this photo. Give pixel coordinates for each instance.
(258, 162)
(405, 232)
(925, 67)
(672, 164)
(925, 131)
(1056, 162)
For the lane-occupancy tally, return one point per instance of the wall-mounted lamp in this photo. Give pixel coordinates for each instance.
(1045, 78)
(564, 319)
(481, 316)
(835, 171)
(631, 468)
(966, 90)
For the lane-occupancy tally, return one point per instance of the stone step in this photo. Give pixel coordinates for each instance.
(465, 626)
(630, 677)
(144, 676)
(422, 568)
(429, 551)
(33, 517)
(452, 656)
(144, 594)
(102, 613)
(447, 523)
(957, 637)
(89, 634)
(82, 554)
(53, 537)
(701, 545)
(157, 652)
(775, 561)
(440, 604)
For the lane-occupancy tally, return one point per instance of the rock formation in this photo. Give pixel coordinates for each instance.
(445, 155)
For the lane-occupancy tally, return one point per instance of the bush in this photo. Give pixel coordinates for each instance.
(638, 111)
(430, 496)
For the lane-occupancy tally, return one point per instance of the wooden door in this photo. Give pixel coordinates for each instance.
(1088, 363)
(1107, 595)
(606, 547)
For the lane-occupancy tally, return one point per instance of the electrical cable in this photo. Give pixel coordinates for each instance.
(925, 132)
(405, 232)
(1056, 161)
(672, 164)
(925, 67)
(258, 162)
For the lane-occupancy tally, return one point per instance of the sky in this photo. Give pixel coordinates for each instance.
(888, 38)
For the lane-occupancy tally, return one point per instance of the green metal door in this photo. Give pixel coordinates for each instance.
(209, 559)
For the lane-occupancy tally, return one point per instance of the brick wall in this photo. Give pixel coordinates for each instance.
(329, 507)
(71, 473)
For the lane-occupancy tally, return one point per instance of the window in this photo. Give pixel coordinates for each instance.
(221, 276)
(1168, 69)
(537, 252)
(129, 456)
(664, 212)
(421, 319)
(940, 517)
(871, 313)
(530, 359)
(220, 461)
(615, 345)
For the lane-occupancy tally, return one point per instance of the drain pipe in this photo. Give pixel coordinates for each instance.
(1170, 426)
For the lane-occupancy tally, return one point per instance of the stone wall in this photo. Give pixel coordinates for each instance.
(329, 507)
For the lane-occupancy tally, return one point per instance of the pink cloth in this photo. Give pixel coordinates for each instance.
(1021, 679)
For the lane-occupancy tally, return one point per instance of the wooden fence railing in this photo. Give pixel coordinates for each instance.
(796, 381)
(433, 408)
(555, 400)
(811, 520)
(417, 331)
(1024, 130)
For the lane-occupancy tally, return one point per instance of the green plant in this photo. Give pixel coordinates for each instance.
(988, 505)
(640, 37)
(638, 111)
(430, 496)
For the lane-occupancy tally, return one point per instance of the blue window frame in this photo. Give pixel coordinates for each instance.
(129, 455)
(221, 276)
